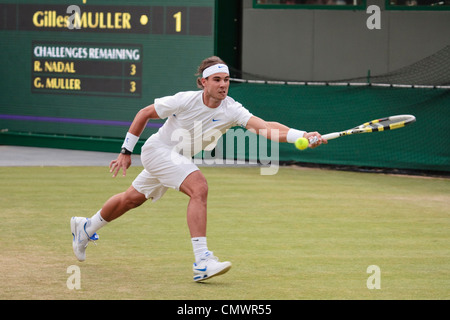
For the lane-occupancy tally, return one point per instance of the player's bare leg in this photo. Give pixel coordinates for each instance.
(120, 203)
(206, 265)
(196, 187)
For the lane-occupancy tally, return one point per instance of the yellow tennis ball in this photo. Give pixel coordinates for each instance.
(301, 143)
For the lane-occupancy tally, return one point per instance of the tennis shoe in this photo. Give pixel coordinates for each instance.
(209, 266)
(81, 238)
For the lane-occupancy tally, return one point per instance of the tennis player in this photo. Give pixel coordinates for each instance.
(166, 166)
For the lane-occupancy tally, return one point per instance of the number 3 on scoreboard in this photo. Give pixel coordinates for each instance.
(177, 17)
(132, 69)
(132, 86)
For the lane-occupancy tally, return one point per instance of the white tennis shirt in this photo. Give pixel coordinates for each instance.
(191, 126)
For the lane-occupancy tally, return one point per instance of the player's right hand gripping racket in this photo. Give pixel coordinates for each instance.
(383, 124)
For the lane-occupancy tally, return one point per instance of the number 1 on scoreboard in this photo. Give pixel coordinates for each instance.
(177, 17)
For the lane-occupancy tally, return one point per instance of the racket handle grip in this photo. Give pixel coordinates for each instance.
(330, 136)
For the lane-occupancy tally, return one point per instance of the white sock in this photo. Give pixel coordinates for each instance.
(199, 246)
(95, 223)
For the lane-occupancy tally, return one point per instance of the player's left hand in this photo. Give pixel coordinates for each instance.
(123, 162)
(315, 139)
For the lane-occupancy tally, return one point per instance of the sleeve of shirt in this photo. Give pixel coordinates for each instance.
(242, 115)
(167, 106)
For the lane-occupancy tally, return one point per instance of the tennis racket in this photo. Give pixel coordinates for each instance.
(383, 124)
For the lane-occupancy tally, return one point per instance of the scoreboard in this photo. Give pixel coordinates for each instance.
(85, 67)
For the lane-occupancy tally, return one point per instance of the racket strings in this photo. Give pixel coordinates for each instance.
(389, 123)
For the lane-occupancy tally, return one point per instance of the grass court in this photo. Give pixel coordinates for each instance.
(299, 234)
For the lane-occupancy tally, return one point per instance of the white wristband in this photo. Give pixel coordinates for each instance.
(294, 134)
(130, 141)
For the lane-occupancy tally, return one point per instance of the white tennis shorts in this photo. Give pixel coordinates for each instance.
(163, 168)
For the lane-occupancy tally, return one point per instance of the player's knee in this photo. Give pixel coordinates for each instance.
(200, 191)
(131, 201)
(195, 186)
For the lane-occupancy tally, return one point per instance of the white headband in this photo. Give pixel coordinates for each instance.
(217, 68)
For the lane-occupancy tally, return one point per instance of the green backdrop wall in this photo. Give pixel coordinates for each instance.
(423, 145)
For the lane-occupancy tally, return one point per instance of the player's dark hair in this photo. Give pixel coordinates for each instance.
(208, 62)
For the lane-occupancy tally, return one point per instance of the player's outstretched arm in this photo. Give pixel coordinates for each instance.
(279, 132)
(123, 161)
